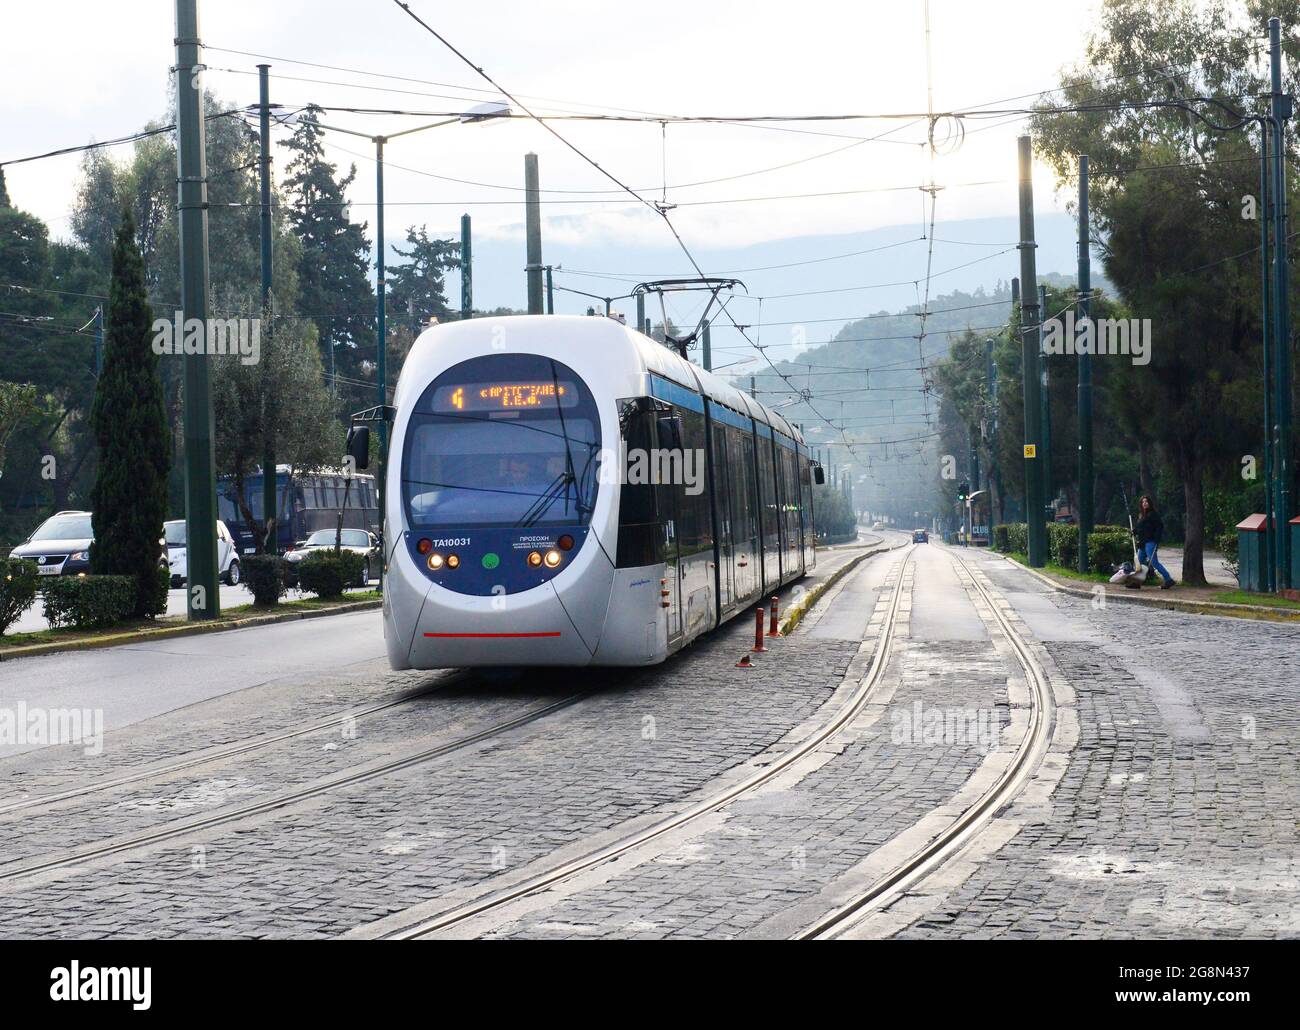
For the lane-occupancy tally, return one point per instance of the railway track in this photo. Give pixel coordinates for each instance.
(180, 828)
(250, 744)
(950, 841)
(548, 878)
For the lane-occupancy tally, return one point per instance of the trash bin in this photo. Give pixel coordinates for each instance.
(1252, 553)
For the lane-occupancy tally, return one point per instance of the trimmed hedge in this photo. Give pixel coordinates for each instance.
(326, 574)
(18, 578)
(1063, 544)
(266, 576)
(87, 602)
(1001, 538)
(1108, 548)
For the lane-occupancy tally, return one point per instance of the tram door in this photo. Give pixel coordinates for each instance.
(670, 515)
(722, 506)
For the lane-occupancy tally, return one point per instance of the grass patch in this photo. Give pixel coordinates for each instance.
(14, 641)
(1061, 570)
(1248, 597)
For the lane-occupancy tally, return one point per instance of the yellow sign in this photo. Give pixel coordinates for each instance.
(1031, 450)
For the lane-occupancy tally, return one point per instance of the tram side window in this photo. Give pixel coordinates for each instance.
(640, 536)
(695, 528)
(767, 482)
(790, 499)
(741, 449)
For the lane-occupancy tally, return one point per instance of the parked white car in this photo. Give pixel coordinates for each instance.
(227, 553)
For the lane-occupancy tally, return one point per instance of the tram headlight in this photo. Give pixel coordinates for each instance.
(453, 561)
(534, 558)
(424, 546)
(435, 561)
(565, 543)
(552, 559)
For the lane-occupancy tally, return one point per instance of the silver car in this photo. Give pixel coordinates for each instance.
(60, 546)
(359, 541)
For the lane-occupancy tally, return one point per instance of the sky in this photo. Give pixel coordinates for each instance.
(79, 70)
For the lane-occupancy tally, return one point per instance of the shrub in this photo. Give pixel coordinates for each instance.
(151, 598)
(86, 602)
(17, 589)
(1109, 548)
(1001, 541)
(1063, 543)
(326, 574)
(1226, 544)
(266, 578)
(1018, 538)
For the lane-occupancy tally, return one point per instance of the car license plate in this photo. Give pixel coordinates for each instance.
(250, 550)
(49, 570)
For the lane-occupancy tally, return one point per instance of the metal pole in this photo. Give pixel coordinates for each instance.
(1265, 321)
(99, 340)
(708, 349)
(550, 291)
(1030, 331)
(640, 314)
(1045, 383)
(1086, 514)
(1282, 336)
(381, 333)
(270, 545)
(203, 599)
(466, 270)
(533, 228)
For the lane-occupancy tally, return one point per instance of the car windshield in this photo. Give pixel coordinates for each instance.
(174, 533)
(502, 440)
(64, 527)
(351, 538)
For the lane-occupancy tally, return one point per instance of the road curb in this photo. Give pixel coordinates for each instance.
(1172, 603)
(187, 630)
(795, 613)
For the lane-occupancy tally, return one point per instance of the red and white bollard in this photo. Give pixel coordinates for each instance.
(758, 631)
(771, 629)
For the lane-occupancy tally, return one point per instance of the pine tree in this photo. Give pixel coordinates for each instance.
(334, 290)
(416, 291)
(129, 498)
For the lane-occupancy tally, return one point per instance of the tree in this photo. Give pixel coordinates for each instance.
(1166, 203)
(332, 271)
(17, 402)
(302, 422)
(129, 498)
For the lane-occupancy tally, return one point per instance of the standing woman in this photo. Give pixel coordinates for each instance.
(1150, 529)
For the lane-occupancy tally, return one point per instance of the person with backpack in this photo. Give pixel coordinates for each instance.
(1149, 530)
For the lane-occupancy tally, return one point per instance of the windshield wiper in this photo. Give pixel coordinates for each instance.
(539, 506)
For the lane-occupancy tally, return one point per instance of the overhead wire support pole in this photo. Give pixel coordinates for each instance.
(533, 232)
(1281, 112)
(1085, 514)
(1045, 423)
(269, 483)
(202, 596)
(466, 270)
(381, 335)
(1030, 330)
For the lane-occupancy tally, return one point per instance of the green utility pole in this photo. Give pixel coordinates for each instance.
(381, 332)
(708, 349)
(533, 230)
(1266, 329)
(1085, 514)
(550, 291)
(1046, 419)
(203, 598)
(466, 270)
(1030, 331)
(268, 396)
(1281, 108)
(99, 340)
(640, 313)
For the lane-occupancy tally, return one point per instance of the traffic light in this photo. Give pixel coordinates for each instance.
(963, 491)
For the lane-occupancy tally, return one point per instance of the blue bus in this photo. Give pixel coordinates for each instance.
(306, 502)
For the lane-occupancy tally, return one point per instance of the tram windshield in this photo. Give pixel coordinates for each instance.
(502, 440)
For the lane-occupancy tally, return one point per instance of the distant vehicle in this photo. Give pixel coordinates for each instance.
(60, 546)
(920, 536)
(177, 555)
(306, 502)
(360, 541)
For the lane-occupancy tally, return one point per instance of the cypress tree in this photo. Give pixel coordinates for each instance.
(129, 498)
